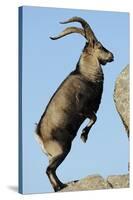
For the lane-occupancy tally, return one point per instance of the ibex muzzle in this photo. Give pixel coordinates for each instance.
(77, 98)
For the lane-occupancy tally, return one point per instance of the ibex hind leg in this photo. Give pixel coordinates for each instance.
(54, 162)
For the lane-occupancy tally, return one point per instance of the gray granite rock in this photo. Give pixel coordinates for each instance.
(121, 97)
(119, 181)
(96, 182)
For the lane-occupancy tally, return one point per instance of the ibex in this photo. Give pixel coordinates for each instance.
(77, 98)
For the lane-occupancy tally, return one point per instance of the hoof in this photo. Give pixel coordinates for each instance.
(83, 137)
(60, 187)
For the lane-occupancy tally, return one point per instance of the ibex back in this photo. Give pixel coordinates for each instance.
(77, 98)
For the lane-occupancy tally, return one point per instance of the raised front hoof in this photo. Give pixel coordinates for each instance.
(60, 187)
(83, 137)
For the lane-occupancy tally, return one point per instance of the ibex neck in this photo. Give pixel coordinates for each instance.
(90, 68)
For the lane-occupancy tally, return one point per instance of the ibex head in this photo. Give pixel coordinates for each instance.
(93, 46)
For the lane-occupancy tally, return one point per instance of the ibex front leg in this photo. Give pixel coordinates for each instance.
(86, 130)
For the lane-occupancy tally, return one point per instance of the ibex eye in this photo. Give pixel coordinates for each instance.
(100, 47)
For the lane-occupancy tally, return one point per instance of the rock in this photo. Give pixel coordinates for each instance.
(88, 183)
(121, 97)
(121, 181)
(97, 182)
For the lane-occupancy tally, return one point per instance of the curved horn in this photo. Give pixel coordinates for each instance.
(68, 31)
(88, 31)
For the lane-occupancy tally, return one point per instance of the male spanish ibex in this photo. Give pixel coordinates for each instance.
(77, 98)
